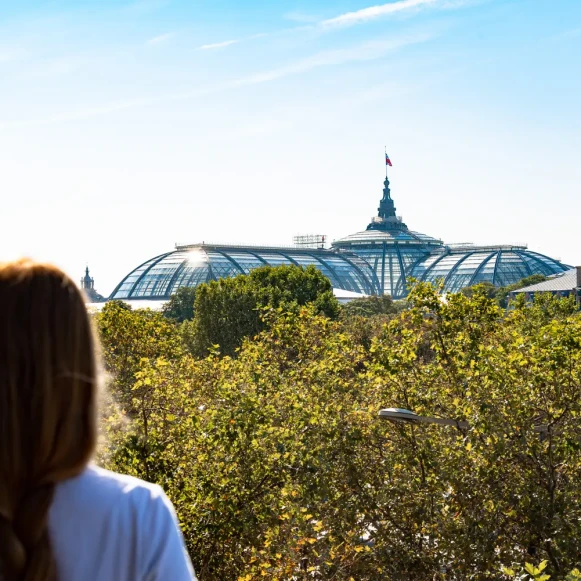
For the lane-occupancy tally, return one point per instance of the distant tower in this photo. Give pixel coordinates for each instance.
(87, 282)
(88, 286)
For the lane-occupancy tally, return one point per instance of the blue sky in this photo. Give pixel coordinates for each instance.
(128, 127)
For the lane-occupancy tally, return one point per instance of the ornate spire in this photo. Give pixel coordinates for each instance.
(386, 206)
(87, 282)
(386, 216)
(88, 286)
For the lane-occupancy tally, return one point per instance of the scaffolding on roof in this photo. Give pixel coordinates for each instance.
(310, 240)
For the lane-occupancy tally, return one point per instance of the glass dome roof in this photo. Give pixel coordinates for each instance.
(397, 254)
(466, 265)
(378, 260)
(390, 247)
(159, 277)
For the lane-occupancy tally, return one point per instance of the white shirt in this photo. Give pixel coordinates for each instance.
(108, 527)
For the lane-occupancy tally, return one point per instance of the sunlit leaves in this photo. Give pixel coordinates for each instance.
(280, 468)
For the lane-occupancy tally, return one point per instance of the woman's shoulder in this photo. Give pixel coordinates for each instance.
(98, 495)
(97, 488)
(114, 483)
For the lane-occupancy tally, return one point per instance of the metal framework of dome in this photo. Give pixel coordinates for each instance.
(467, 265)
(398, 254)
(379, 260)
(159, 277)
(389, 246)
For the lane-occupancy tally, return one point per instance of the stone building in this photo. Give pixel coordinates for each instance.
(88, 287)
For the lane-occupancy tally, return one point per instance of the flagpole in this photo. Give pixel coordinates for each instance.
(385, 160)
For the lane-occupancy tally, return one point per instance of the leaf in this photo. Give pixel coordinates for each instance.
(530, 569)
(308, 469)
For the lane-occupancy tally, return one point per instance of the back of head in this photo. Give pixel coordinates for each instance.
(47, 408)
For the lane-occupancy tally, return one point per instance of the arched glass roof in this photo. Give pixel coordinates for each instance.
(378, 260)
(159, 277)
(389, 247)
(397, 254)
(373, 237)
(467, 265)
(391, 262)
(391, 254)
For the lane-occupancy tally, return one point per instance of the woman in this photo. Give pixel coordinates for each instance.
(60, 518)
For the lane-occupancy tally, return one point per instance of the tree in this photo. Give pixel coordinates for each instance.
(490, 290)
(502, 295)
(128, 339)
(280, 468)
(180, 306)
(230, 309)
(372, 306)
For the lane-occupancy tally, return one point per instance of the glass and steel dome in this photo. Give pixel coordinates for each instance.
(397, 254)
(379, 260)
(161, 276)
(466, 265)
(390, 247)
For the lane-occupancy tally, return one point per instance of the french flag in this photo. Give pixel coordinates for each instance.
(387, 160)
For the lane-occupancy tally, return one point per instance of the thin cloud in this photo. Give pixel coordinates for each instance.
(216, 45)
(373, 12)
(363, 52)
(350, 18)
(160, 39)
(301, 17)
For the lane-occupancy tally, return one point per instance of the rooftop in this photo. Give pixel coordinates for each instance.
(387, 236)
(469, 247)
(193, 264)
(219, 246)
(564, 281)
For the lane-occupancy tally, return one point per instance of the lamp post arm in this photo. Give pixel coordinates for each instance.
(402, 415)
(444, 422)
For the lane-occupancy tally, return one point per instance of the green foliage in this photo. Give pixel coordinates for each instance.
(280, 468)
(228, 310)
(130, 338)
(372, 306)
(490, 290)
(531, 573)
(180, 306)
(500, 294)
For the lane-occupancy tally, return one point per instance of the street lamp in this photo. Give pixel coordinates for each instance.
(407, 416)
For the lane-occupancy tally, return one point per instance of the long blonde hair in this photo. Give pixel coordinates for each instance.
(48, 393)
